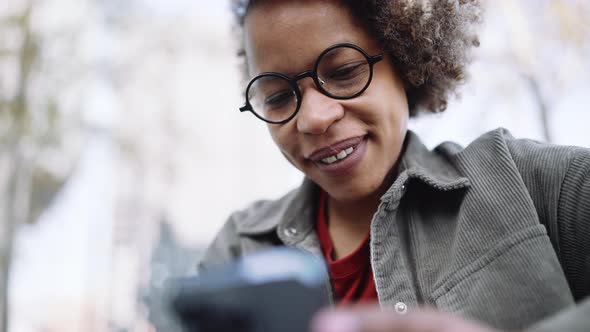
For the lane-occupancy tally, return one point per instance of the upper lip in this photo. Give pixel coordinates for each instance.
(335, 148)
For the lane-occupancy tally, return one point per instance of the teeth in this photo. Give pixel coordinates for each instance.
(341, 155)
(329, 160)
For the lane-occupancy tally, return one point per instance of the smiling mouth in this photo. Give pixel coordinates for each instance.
(342, 158)
(336, 152)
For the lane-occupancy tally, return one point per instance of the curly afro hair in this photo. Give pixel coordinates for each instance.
(430, 42)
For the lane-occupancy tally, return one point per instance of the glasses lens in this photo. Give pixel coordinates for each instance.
(344, 72)
(272, 98)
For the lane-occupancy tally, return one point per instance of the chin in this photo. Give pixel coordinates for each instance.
(351, 193)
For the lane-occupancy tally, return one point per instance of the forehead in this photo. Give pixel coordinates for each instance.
(287, 36)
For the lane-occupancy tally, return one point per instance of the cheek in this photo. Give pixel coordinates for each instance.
(284, 141)
(275, 135)
(391, 89)
(395, 106)
(386, 110)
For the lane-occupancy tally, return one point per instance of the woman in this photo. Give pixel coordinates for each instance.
(495, 232)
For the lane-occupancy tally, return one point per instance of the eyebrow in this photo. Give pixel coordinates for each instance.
(310, 66)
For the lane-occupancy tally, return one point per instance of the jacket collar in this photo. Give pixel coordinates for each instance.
(293, 215)
(432, 167)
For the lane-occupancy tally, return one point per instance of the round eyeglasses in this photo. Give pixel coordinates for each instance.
(342, 71)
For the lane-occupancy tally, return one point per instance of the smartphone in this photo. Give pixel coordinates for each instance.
(272, 291)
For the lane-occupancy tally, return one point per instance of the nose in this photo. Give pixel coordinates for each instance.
(317, 112)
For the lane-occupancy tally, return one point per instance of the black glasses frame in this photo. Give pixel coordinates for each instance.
(372, 60)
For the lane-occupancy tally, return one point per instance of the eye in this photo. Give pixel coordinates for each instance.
(348, 71)
(279, 99)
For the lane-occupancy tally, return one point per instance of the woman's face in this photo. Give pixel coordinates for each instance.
(287, 37)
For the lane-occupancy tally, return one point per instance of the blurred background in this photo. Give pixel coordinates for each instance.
(122, 150)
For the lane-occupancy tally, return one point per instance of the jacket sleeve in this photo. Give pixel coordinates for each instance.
(576, 319)
(224, 248)
(558, 179)
(573, 223)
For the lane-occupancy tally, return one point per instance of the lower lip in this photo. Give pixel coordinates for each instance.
(346, 165)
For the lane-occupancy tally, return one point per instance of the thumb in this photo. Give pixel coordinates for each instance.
(387, 320)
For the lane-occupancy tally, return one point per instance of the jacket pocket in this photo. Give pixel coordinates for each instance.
(516, 283)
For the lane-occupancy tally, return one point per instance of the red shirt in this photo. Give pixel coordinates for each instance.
(351, 276)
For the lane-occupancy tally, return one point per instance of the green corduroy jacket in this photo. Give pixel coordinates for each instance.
(498, 231)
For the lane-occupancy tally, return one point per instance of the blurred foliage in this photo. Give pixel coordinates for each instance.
(31, 125)
(573, 21)
(45, 186)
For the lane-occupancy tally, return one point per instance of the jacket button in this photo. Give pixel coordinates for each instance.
(291, 231)
(401, 308)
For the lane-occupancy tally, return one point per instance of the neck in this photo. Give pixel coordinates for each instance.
(360, 211)
(353, 214)
(350, 222)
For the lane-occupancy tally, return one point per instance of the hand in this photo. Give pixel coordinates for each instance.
(375, 319)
